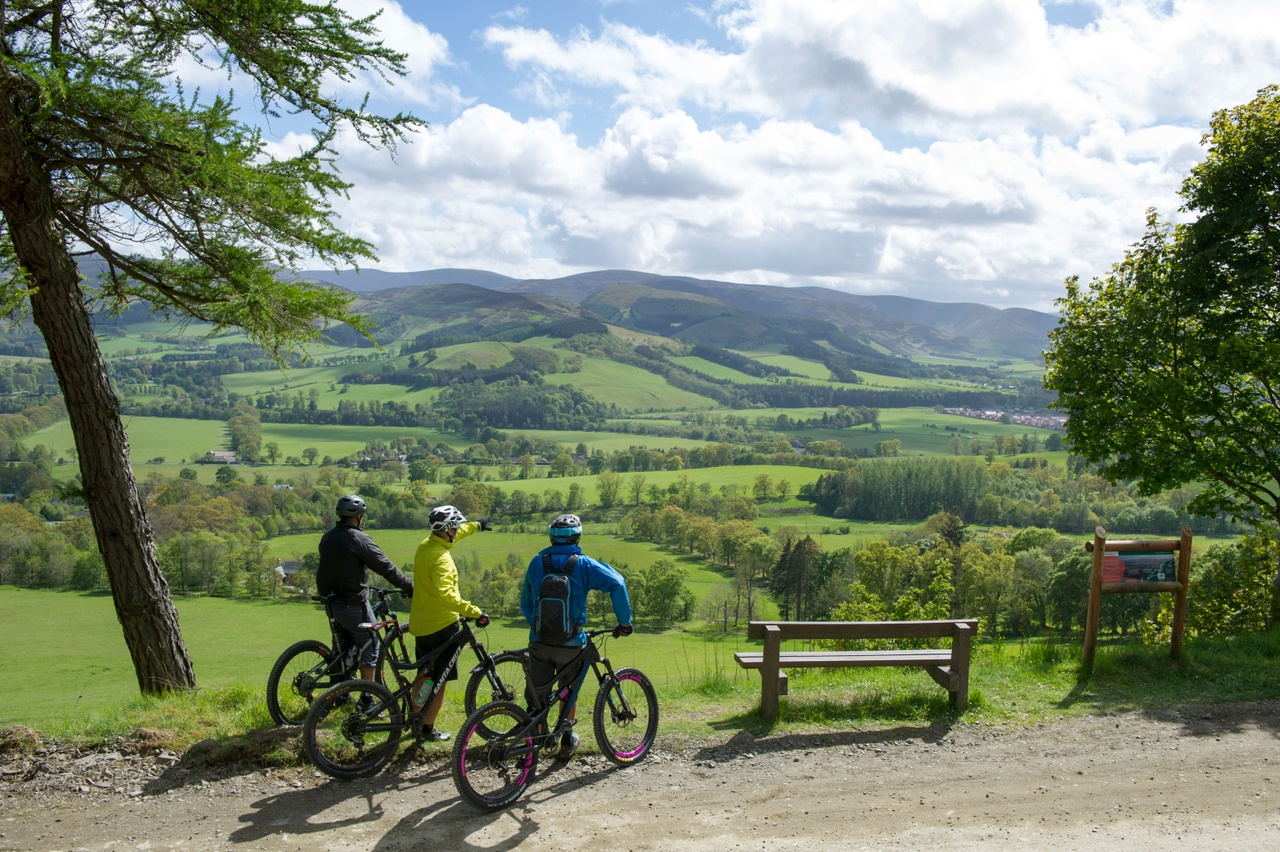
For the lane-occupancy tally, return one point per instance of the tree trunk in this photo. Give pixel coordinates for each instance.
(141, 595)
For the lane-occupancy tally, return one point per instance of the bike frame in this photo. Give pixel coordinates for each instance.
(465, 638)
(553, 696)
(388, 628)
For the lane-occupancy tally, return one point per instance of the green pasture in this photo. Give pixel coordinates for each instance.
(176, 439)
(922, 430)
(630, 388)
(340, 441)
(799, 366)
(714, 370)
(485, 355)
(877, 381)
(739, 476)
(829, 532)
(73, 673)
(80, 683)
(65, 677)
(605, 441)
(149, 437)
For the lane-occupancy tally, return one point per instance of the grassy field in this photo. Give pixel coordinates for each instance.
(630, 388)
(149, 437)
(740, 476)
(79, 683)
(922, 431)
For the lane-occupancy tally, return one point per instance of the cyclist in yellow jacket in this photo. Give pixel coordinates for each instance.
(437, 604)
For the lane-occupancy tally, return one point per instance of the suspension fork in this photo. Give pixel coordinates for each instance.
(614, 696)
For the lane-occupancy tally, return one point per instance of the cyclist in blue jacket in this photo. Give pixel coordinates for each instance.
(586, 574)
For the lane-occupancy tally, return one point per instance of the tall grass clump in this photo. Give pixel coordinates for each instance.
(178, 718)
(1048, 653)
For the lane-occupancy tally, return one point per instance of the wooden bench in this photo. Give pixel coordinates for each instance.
(949, 667)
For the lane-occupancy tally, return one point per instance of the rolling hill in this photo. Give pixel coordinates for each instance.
(731, 315)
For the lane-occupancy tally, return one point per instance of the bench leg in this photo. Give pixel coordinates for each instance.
(960, 644)
(770, 673)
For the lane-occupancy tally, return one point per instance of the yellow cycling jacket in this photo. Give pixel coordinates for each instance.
(436, 602)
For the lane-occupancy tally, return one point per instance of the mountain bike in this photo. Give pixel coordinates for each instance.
(497, 748)
(309, 667)
(354, 728)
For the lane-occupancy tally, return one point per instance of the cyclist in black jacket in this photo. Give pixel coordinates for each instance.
(347, 554)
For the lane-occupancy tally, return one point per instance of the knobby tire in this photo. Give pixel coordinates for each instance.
(485, 777)
(337, 733)
(625, 737)
(509, 668)
(292, 684)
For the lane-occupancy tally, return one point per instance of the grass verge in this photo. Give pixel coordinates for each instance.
(705, 700)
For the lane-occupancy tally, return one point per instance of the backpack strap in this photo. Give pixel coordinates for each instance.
(566, 568)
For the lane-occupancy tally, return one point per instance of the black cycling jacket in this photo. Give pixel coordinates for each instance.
(346, 557)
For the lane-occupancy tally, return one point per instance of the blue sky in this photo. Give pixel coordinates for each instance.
(966, 150)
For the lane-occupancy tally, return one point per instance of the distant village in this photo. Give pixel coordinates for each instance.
(1044, 421)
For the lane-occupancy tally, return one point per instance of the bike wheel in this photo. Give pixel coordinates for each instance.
(625, 717)
(484, 770)
(299, 674)
(508, 683)
(352, 729)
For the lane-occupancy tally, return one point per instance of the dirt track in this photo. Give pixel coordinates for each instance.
(1206, 777)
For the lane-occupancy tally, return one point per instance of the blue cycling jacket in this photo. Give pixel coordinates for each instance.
(588, 575)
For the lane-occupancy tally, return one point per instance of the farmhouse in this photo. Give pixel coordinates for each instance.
(219, 457)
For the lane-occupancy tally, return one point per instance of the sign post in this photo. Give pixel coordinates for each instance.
(1122, 567)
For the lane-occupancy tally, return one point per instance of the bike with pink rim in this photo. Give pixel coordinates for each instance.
(496, 751)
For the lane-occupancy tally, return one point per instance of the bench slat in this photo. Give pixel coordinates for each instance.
(860, 629)
(818, 659)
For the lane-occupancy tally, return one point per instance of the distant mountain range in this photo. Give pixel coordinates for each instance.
(718, 313)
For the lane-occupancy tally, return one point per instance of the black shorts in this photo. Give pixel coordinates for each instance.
(349, 616)
(553, 661)
(440, 668)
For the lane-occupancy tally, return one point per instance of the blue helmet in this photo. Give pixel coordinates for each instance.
(566, 529)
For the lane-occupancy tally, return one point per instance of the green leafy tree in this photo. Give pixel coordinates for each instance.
(1169, 367)
(561, 465)
(608, 487)
(661, 594)
(1232, 590)
(102, 149)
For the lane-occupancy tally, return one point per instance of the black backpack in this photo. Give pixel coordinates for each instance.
(554, 624)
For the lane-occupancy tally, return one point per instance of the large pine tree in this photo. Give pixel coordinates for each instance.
(103, 151)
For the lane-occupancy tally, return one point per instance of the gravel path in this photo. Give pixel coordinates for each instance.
(1193, 776)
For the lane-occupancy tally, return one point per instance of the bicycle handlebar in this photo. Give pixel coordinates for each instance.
(591, 634)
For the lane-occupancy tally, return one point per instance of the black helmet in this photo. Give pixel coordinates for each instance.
(350, 506)
(566, 529)
(444, 518)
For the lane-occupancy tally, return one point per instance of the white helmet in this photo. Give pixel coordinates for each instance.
(443, 518)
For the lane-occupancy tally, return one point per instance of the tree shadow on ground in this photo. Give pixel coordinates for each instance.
(877, 717)
(745, 742)
(1211, 720)
(856, 708)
